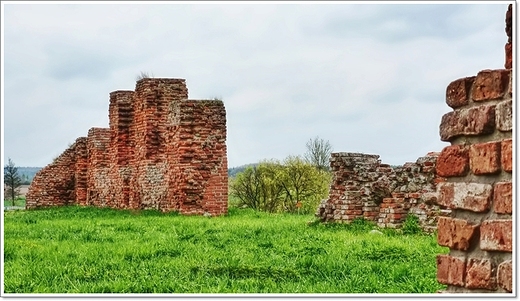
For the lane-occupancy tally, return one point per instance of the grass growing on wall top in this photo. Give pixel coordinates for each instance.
(92, 250)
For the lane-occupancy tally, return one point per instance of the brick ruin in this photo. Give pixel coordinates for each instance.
(363, 187)
(465, 191)
(161, 151)
(478, 166)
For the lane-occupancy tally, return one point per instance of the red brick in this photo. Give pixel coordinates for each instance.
(469, 196)
(509, 56)
(453, 161)
(414, 195)
(490, 85)
(510, 90)
(506, 155)
(457, 92)
(503, 197)
(496, 235)
(140, 161)
(504, 116)
(450, 270)
(395, 216)
(473, 121)
(505, 275)
(455, 233)
(479, 274)
(484, 158)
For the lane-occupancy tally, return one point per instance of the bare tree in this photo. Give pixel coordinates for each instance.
(12, 180)
(318, 152)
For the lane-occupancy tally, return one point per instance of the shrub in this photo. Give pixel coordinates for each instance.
(411, 225)
(293, 185)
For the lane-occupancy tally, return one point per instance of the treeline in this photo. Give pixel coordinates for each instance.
(233, 171)
(27, 174)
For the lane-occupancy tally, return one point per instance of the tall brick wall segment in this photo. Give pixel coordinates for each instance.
(363, 187)
(161, 151)
(478, 189)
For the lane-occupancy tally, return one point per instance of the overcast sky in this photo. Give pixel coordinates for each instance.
(369, 78)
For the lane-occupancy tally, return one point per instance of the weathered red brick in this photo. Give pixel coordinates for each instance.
(505, 275)
(506, 155)
(453, 161)
(455, 233)
(510, 90)
(490, 85)
(509, 56)
(484, 158)
(469, 196)
(162, 151)
(472, 121)
(496, 235)
(363, 187)
(451, 270)
(504, 115)
(503, 197)
(457, 92)
(479, 274)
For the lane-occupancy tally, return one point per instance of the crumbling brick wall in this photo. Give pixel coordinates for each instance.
(478, 167)
(58, 189)
(363, 187)
(162, 151)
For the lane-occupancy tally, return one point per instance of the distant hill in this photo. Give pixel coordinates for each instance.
(235, 170)
(27, 173)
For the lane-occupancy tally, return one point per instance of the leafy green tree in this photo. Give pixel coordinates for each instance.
(304, 185)
(12, 180)
(293, 185)
(258, 187)
(318, 152)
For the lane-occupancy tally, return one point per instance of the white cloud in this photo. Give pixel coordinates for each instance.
(369, 78)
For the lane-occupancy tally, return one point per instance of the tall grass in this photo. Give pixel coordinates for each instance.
(93, 250)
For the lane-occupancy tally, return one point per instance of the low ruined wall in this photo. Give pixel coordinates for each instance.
(362, 187)
(162, 151)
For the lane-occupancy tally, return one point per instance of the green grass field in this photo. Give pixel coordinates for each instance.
(19, 202)
(92, 250)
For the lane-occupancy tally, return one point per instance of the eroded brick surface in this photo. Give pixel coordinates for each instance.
(503, 197)
(506, 155)
(470, 121)
(504, 116)
(470, 196)
(453, 161)
(162, 151)
(484, 158)
(496, 235)
(505, 275)
(457, 92)
(490, 85)
(479, 274)
(451, 270)
(455, 233)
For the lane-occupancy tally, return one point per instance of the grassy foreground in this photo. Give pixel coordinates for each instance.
(92, 250)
